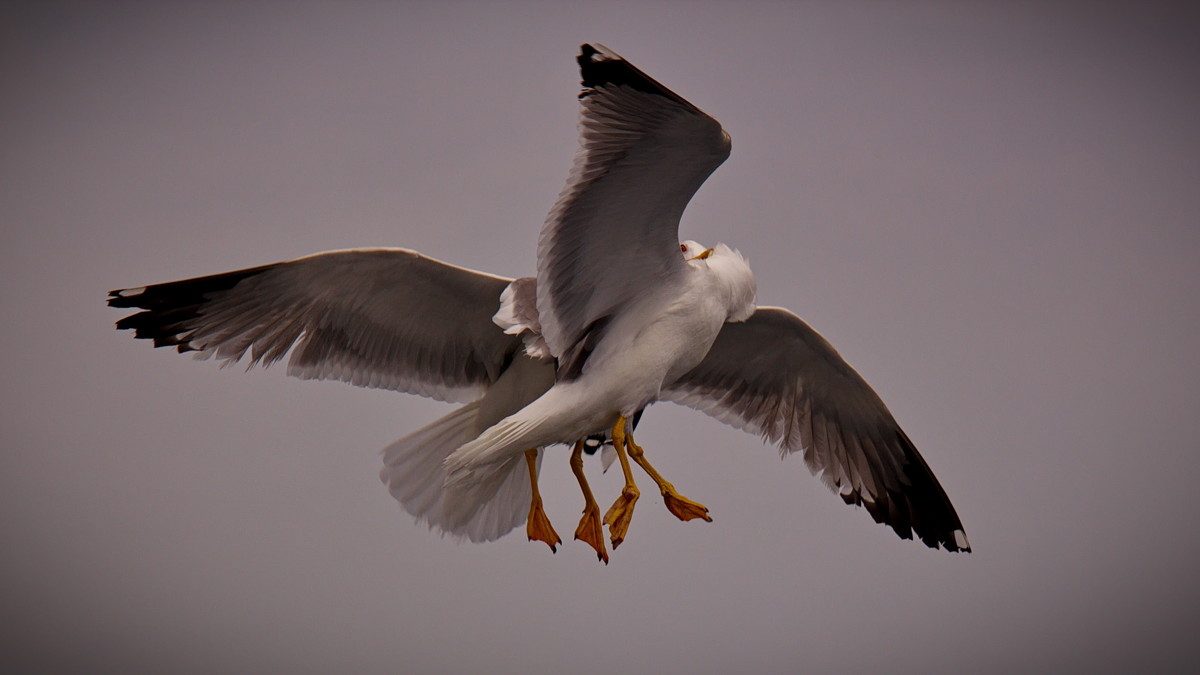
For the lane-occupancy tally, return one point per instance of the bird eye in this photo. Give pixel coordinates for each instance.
(683, 247)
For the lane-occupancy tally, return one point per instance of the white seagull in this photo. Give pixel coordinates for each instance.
(621, 314)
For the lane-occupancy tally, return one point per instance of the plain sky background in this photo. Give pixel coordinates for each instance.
(991, 209)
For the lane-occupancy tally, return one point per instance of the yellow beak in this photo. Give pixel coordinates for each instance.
(703, 254)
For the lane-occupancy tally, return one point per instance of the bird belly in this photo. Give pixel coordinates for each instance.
(629, 368)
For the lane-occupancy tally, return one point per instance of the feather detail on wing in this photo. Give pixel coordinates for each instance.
(388, 318)
(644, 151)
(774, 375)
(518, 316)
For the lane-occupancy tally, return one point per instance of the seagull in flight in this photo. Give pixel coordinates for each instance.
(619, 315)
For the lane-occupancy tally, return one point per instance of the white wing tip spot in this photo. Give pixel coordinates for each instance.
(601, 53)
(960, 540)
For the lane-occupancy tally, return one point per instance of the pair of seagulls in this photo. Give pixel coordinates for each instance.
(620, 315)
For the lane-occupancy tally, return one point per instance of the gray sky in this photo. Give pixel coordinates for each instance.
(990, 210)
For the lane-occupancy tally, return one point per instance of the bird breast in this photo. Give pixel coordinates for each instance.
(655, 343)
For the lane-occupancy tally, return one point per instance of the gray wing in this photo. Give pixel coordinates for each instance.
(644, 152)
(387, 318)
(774, 375)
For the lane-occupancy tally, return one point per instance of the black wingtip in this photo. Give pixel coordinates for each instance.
(601, 67)
(171, 307)
(125, 297)
(920, 509)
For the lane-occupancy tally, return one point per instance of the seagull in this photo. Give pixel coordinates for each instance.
(620, 314)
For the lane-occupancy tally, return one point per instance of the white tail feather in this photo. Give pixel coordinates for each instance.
(414, 472)
(476, 473)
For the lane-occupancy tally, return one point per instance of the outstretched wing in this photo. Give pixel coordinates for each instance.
(774, 375)
(644, 151)
(386, 317)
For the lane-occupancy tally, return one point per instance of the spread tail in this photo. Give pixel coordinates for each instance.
(415, 473)
(476, 472)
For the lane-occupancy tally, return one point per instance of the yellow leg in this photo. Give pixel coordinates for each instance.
(589, 531)
(683, 508)
(538, 525)
(619, 514)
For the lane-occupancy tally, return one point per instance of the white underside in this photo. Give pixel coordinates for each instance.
(654, 341)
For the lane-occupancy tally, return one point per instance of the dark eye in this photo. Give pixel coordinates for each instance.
(683, 247)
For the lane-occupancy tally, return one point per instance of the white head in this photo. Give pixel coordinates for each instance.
(732, 273)
(692, 249)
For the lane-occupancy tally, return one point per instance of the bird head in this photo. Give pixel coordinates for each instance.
(693, 250)
(733, 275)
